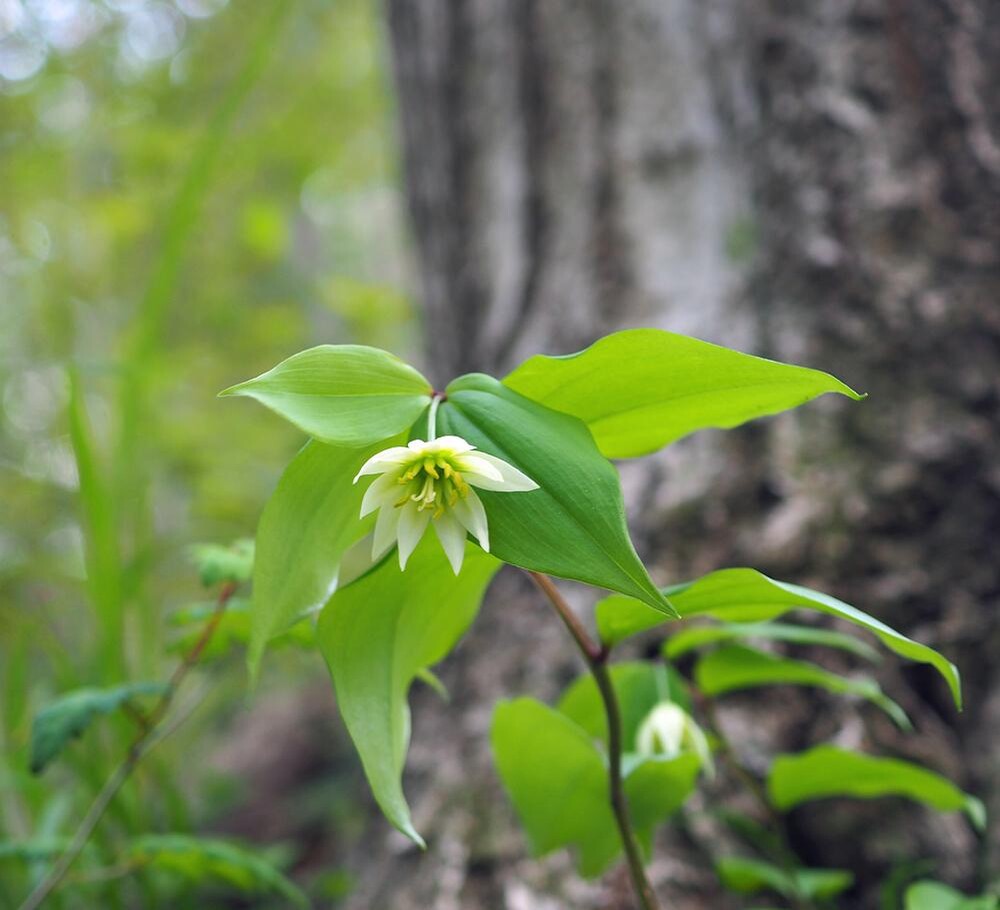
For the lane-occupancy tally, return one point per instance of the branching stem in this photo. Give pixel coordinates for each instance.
(596, 657)
(143, 741)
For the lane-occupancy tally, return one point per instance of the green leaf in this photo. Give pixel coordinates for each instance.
(377, 634)
(69, 715)
(573, 526)
(735, 667)
(35, 850)
(936, 896)
(306, 528)
(640, 686)
(342, 394)
(217, 563)
(558, 782)
(641, 389)
(694, 637)
(826, 771)
(751, 876)
(657, 787)
(231, 631)
(745, 595)
(202, 859)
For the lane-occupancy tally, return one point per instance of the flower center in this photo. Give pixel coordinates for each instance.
(432, 482)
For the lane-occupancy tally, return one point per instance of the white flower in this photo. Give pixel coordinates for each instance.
(431, 482)
(668, 731)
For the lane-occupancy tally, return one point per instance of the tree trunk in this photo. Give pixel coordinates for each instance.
(817, 182)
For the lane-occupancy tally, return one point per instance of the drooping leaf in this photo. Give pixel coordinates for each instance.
(573, 526)
(217, 563)
(735, 668)
(306, 528)
(929, 895)
(826, 771)
(69, 715)
(641, 389)
(751, 876)
(694, 637)
(342, 394)
(377, 634)
(639, 686)
(558, 781)
(204, 860)
(746, 595)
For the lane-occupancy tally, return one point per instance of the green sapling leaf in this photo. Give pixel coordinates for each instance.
(342, 394)
(573, 526)
(641, 389)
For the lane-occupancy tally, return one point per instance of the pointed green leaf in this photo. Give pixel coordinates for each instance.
(745, 595)
(342, 394)
(937, 896)
(306, 528)
(639, 685)
(377, 634)
(205, 859)
(558, 782)
(751, 876)
(735, 668)
(826, 771)
(573, 526)
(641, 389)
(69, 715)
(694, 637)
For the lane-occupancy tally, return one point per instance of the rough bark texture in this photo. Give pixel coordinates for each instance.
(819, 182)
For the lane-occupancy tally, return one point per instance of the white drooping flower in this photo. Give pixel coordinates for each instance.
(432, 483)
(668, 731)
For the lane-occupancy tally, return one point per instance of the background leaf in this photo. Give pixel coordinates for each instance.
(377, 633)
(202, 859)
(342, 394)
(307, 526)
(558, 782)
(751, 876)
(217, 563)
(69, 715)
(574, 525)
(828, 771)
(693, 637)
(735, 668)
(640, 389)
(936, 896)
(746, 595)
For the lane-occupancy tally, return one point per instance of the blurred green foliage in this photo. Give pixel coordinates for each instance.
(189, 192)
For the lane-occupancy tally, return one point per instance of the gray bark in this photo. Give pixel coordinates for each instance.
(818, 182)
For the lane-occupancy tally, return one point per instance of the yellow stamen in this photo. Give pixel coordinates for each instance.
(431, 469)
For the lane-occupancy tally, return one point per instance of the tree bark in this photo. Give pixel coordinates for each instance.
(817, 182)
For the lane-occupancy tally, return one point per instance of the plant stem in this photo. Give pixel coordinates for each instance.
(143, 741)
(596, 657)
(432, 414)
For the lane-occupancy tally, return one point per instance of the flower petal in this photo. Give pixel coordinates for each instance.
(474, 465)
(385, 531)
(454, 444)
(382, 492)
(412, 524)
(452, 536)
(513, 480)
(472, 515)
(382, 461)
